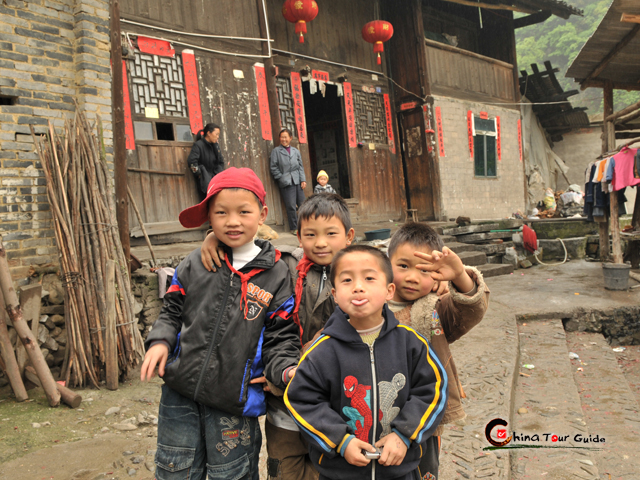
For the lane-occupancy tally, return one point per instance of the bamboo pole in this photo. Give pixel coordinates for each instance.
(25, 334)
(111, 363)
(144, 230)
(68, 396)
(10, 363)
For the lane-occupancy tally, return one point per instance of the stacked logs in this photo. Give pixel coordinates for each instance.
(83, 207)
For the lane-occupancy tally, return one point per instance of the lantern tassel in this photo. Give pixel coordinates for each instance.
(379, 61)
(301, 38)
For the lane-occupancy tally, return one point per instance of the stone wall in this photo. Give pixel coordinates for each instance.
(52, 52)
(462, 192)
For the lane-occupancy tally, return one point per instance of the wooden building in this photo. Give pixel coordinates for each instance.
(435, 127)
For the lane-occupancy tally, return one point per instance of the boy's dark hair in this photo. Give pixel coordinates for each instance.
(325, 205)
(383, 260)
(417, 235)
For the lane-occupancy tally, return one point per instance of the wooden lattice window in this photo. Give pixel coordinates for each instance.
(285, 102)
(158, 82)
(371, 126)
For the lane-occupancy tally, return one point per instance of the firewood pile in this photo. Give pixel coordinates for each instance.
(101, 326)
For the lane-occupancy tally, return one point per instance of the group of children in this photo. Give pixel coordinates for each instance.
(345, 349)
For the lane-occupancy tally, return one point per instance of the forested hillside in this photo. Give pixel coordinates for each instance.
(560, 41)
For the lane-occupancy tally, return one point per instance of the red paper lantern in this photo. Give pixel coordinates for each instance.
(300, 12)
(377, 32)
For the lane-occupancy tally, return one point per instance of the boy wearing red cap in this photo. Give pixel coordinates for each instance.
(219, 336)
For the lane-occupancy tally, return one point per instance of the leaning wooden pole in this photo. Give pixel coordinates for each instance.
(119, 150)
(10, 362)
(144, 230)
(24, 332)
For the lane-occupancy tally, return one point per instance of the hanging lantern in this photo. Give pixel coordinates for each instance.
(377, 32)
(300, 12)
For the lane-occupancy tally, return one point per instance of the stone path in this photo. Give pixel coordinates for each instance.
(609, 406)
(552, 404)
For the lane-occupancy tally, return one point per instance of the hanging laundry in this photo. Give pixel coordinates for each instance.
(623, 175)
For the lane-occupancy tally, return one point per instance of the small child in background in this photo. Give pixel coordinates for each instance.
(323, 186)
(366, 380)
(419, 258)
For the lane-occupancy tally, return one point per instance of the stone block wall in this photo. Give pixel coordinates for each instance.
(462, 192)
(52, 52)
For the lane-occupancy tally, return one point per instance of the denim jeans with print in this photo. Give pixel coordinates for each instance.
(195, 441)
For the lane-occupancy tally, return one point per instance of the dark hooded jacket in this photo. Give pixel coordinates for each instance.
(208, 158)
(344, 389)
(219, 341)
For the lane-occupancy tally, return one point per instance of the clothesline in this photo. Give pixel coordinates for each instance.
(617, 150)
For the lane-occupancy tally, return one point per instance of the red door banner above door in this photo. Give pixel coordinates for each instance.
(156, 47)
(470, 132)
(440, 132)
(129, 139)
(498, 139)
(263, 102)
(387, 112)
(351, 120)
(520, 137)
(320, 75)
(298, 107)
(193, 90)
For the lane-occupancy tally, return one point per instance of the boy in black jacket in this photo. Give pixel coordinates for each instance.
(217, 337)
(366, 380)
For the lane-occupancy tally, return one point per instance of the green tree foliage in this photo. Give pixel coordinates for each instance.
(560, 41)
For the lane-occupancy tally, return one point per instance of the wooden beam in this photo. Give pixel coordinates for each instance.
(531, 19)
(491, 6)
(467, 53)
(119, 150)
(623, 112)
(159, 172)
(630, 18)
(611, 55)
(629, 87)
(609, 143)
(627, 118)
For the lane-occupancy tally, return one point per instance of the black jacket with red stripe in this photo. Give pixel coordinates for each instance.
(221, 336)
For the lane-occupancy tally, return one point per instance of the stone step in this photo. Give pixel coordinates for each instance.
(552, 403)
(458, 247)
(473, 259)
(610, 409)
(483, 237)
(495, 259)
(448, 239)
(493, 270)
(492, 248)
(471, 229)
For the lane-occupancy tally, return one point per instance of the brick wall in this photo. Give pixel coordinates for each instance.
(51, 52)
(462, 192)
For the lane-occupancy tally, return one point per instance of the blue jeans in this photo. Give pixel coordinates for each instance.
(195, 441)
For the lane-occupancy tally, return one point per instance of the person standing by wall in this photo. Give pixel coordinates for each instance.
(287, 170)
(205, 159)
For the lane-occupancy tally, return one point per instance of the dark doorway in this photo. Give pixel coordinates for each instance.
(325, 129)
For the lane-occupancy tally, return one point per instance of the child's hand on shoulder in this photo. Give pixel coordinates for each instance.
(446, 266)
(353, 454)
(394, 450)
(211, 253)
(156, 355)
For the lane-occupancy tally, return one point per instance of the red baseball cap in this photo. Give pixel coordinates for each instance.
(233, 177)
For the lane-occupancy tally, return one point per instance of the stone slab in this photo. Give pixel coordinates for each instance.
(495, 259)
(563, 228)
(483, 237)
(473, 259)
(458, 247)
(492, 248)
(492, 270)
(471, 229)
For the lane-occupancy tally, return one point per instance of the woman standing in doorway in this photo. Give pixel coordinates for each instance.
(287, 170)
(205, 159)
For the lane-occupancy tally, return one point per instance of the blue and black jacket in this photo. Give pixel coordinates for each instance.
(225, 328)
(345, 389)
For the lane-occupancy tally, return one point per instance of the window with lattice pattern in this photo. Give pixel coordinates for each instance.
(285, 102)
(371, 126)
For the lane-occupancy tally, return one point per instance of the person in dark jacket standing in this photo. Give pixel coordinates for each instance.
(287, 170)
(205, 159)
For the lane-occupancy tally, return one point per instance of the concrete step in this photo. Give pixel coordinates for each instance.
(495, 259)
(458, 247)
(492, 248)
(493, 270)
(446, 239)
(473, 259)
(552, 403)
(610, 409)
(483, 237)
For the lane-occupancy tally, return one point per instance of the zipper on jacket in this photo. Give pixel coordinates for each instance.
(323, 282)
(213, 340)
(374, 413)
